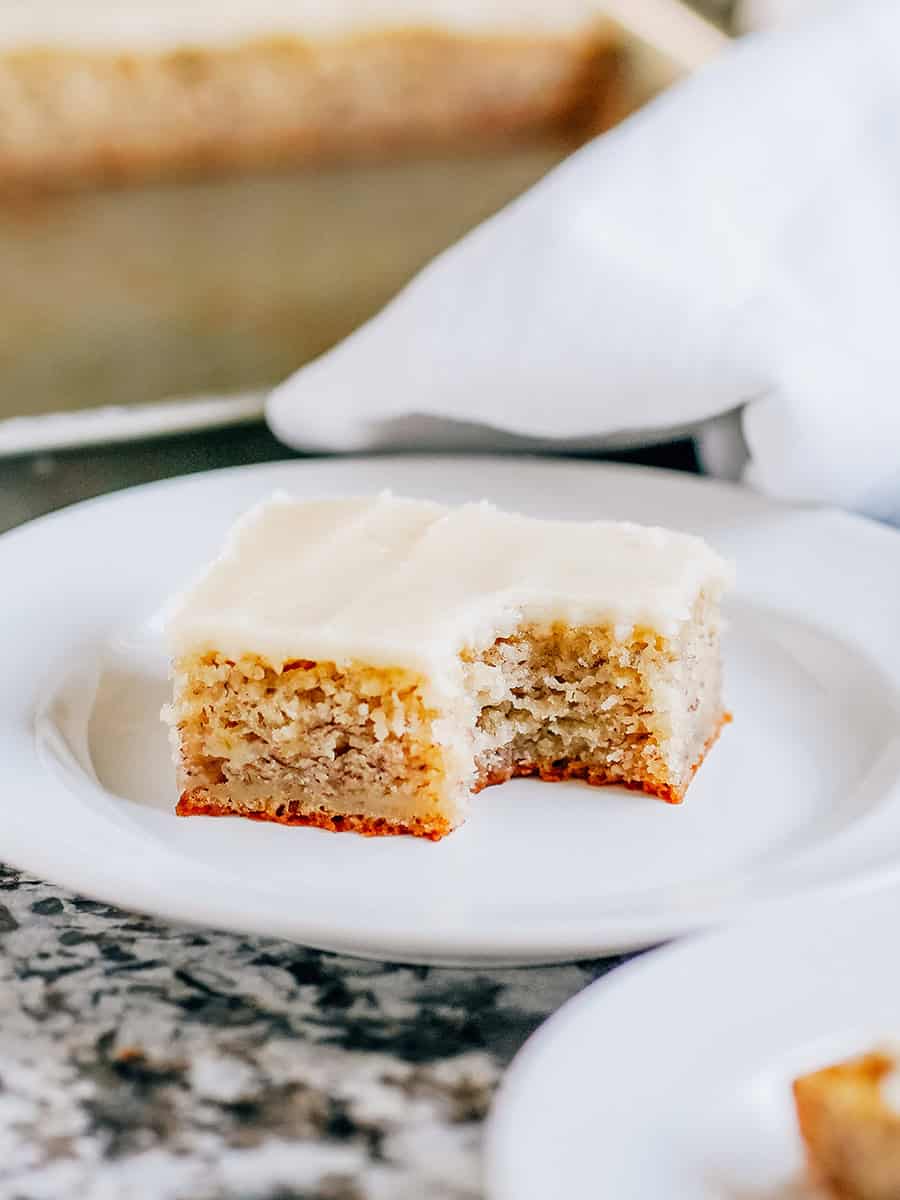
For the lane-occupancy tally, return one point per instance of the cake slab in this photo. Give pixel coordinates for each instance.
(800, 797)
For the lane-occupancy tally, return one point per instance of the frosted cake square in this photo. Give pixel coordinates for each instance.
(369, 664)
(849, 1118)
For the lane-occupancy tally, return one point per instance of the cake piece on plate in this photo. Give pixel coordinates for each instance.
(849, 1117)
(368, 664)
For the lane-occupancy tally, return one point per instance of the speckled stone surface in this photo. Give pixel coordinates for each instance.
(148, 1062)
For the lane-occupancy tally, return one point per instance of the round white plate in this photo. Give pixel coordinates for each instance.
(670, 1079)
(800, 794)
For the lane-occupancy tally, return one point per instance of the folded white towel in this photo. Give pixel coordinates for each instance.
(729, 254)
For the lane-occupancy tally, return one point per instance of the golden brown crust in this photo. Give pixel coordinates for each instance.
(851, 1137)
(195, 804)
(565, 769)
(281, 101)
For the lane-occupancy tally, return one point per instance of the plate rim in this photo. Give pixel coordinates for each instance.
(576, 462)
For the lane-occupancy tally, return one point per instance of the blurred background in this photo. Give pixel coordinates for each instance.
(195, 198)
(205, 214)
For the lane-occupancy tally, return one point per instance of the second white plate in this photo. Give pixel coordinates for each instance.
(670, 1079)
(800, 795)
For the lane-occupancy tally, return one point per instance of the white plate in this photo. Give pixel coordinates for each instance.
(670, 1079)
(800, 794)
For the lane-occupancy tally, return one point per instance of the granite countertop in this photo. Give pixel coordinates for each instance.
(153, 1062)
(146, 1061)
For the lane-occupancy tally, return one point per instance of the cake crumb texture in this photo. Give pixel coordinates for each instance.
(360, 748)
(852, 1137)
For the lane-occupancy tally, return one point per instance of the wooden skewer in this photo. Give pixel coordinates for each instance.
(670, 29)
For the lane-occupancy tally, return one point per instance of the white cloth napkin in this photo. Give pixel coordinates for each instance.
(727, 261)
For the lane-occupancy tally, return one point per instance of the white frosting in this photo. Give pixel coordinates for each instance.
(168, 24)
(409, 583)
